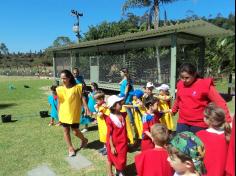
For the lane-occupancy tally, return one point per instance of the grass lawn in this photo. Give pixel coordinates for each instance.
(29, 142)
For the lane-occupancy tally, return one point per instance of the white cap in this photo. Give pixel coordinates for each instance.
(112, 100)
(149, 85)
(164, 87)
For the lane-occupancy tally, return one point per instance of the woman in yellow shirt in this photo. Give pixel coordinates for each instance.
(70, 100)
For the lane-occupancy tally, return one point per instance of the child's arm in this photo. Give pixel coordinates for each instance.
(128, 106)
(113, 150)
(87, 111)
(148, 134)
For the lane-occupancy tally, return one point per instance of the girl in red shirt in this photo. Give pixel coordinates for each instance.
(150, 118)
(215, 140)
(193, 95)
(117, 140)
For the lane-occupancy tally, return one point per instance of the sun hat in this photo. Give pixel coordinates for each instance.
(190, 145)
(113, 99)
(149, 85)
(138, 93)
(164, 87)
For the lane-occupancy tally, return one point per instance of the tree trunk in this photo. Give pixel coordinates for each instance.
(156, 14)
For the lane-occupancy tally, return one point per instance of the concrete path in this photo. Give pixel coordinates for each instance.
(42, 170)
(78, 162)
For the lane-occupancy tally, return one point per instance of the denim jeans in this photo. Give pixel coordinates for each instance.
(184, 127)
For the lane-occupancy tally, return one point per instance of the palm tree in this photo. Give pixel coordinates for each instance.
(154, 8)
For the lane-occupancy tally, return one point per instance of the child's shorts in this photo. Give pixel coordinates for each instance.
(66, 125)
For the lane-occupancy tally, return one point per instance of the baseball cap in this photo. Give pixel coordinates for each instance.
(138, 93)
(149, 85)
(190, 145)
(113, 99)
(164, 87)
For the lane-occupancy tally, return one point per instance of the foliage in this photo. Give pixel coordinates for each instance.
(62, 41)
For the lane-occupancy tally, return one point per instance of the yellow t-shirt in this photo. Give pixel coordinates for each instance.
(70, 100)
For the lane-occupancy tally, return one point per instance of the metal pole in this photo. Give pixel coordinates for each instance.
(54, 69)
(173, 64)
(201, 62)
(230, 84)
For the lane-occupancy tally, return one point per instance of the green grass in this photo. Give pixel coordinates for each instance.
(29, 142)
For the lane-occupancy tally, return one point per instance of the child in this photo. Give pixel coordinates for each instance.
(186, 152)
(148, 91)
(53, 102)
(138, 111)
(164, 106)
(150, 118)
(102, 111)
(91, 100)
(154, 162)
(116, 136)
(215, 140)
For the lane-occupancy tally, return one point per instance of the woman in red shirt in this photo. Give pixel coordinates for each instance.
(193, 95)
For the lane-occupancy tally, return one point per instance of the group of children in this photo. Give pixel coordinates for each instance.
(161, 154)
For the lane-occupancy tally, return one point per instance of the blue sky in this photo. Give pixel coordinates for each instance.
(34, 24)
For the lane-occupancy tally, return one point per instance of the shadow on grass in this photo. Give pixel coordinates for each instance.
(93, 128)
(12, 121)
(7, 105)
(95, 145)
(135, 147)
(130, 169)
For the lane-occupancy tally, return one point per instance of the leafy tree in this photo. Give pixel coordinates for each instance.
(153, 5)
(62, 41)
(3, 49)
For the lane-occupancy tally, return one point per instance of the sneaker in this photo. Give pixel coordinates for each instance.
(58, 124)
(104, 152)
(71, 153)
(101, 150)
(50, 124)
(84, 130)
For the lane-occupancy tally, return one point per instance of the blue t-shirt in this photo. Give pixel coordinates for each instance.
(123, 86)
(91, 102)
(79, 80)
(53, 102)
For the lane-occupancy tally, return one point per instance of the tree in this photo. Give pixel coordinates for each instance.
(3, 49)
(62, 41)
(153, 5)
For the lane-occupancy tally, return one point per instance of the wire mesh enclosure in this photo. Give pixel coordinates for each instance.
(104, 67)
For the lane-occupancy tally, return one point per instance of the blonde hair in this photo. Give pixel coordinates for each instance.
(160, 134)
(99, 95)
(216, 118)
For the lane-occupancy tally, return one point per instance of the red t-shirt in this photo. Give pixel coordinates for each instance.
(216, 152)
(148, 121)
(191, 102)
(230, 163)
(153, 162)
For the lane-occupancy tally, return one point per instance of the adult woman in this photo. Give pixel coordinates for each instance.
(193, 95)
(70, 104)
(126, 90)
